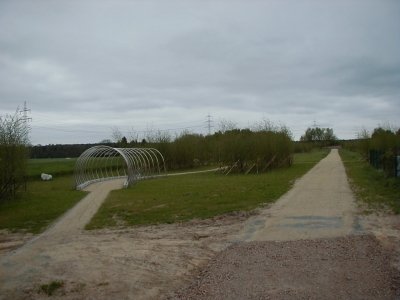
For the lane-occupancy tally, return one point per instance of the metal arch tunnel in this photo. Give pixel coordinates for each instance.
(101, 163)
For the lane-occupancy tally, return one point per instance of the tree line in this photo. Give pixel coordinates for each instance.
(239, 148)
(265, 146)
(62, 150)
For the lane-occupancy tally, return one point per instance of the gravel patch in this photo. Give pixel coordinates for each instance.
(352, 267)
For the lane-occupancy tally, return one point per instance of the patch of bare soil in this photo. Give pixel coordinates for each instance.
(352, 267)
(136, 263)
(12, 240)
(386, 228)
(151, 261)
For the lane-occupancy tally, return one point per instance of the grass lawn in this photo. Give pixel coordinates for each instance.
(43, 202)
(53, 166)
(370, 185)
(181, 198)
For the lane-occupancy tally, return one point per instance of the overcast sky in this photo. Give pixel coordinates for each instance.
(85, 67)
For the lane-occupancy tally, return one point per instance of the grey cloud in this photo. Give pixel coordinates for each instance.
(367, 76)
(137, 63)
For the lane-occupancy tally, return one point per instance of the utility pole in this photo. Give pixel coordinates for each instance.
(26, 119)
(209, 122)
(24, 112)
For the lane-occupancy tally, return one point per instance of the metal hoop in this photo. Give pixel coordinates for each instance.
(101, 163)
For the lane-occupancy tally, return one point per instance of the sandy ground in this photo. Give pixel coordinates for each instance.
(317, 219)
(137, 263)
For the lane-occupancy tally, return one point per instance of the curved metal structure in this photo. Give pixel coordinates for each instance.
(101, 163)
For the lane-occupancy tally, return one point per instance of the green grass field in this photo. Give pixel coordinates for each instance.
(43, 202)
(181, 198)
(161, 200)
(54, 166)
(370, 185)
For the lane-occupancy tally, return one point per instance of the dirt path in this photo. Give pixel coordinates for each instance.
(138, 263)
(30, 261)
(170, 261)
(81, 214)
(321, 204)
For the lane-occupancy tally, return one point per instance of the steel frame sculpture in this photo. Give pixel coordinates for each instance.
(101, 163)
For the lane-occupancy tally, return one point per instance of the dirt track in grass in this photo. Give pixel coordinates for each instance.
(316, 219)
(137, 263)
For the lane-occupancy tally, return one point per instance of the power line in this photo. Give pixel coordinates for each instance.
(54, 128)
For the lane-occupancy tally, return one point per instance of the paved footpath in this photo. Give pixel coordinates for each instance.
(321, 204)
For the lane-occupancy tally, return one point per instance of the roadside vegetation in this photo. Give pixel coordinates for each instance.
(372, 163)
(13, 155)
(181, 198)
(380, 148)
(371, 185)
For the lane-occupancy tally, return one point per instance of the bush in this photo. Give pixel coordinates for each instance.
(13, 154)
(244, 148)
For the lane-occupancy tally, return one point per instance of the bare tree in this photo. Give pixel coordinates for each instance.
(133, 136)
(157, 136)
(225, 125)
(363, 134)
(13, 154)
(116, 134)
(264, 125)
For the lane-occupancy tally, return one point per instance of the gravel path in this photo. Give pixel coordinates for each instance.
(308, 245)
(353, 267)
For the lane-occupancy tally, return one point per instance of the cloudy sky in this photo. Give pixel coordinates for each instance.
(86, 67)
